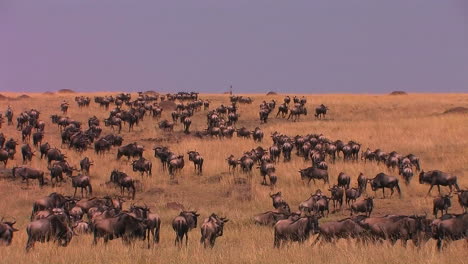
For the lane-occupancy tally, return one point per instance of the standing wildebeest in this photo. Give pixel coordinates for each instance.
(176, 164)
(463, 199)
(321, 111)
(257, 134)
(53, 200)
(297, 230)
(232, 163)
(279, 203)
(130, 150)
(43, 149)
(37, 138)
(56, 172)
(142, 165)
(187, 122)
(296, 112)
(122, 225)
(27, 173)
(54, 227)
(153, 221)
(85, 164)
(212, 228)
(197, 160)
(344, 180)
(270, 218)
(182, 224)
(246, 164)
(312, 173)
(382, 181)
(6, 232)
(441, 203)
(352, 195)
(124, 181)
(363, 206)
(83, 182)
(27, 153)
(437, 177)
(282, 110)
(336, 196)
(54, 154)
(166, 125)
(345, 228)
(451, 229)
(407, 173)
(362, 182)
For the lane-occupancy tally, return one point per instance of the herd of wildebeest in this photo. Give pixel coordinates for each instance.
(58, 217)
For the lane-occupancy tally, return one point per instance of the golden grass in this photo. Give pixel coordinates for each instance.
(407, 124)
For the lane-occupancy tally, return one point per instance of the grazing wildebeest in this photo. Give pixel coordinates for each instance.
(441, 203)
(124, 181)
(437, 177)
(27, 173)
(368, 155)
(54, 154)
(182, 224)
(336, 196)
(270, 218)
(451, 229)
(166, 125)
(363, 206)
(83, 182)
(382, 181)
(85, 164)
(463, 199)
(321, 111)
(6, 232)
(197, 160)
(297, 230)
(27, 153)
(123, 226)
(313, 173)
(54, 227)
(142, 165)
(344, 180)
(362, 182)
(352, 195)
(211, 228)
(345, 228)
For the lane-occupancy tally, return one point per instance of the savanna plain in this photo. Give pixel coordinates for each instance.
(412, 123)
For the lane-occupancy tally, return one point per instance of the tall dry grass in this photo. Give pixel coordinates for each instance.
(407, 124)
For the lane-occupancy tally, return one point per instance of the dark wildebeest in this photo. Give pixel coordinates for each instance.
(279, 203)
(415, 161)
(382, 181)
(37, 138)
(130, 150)
(27, 173)
(211, 228)
(282, 110)
(122, 226)
(246, 164)
(296, 112)
(197, 160)
(83, 182)
(362, 182)
(53, 200)
(363, 206)
(336, 196)
(54, 227)
(309, 204)
(270, 218)
(321, 111)
(454, 228)
(187, 122)
(163, 154)
(54, 154)
(85, 164)
(345, 228)
(463, 199)
(176, 164)
(275, 153)
(142, 165)
(441, 203)
(182, 224)
(344, 180)
(232, 163)
(56, 172)
(27, 153)
(43, 149)
(312, 173)
(26, 133)
(297, 230)
(124, 181)
(4, 157)
(153, 221)
(6, 232)
(352, 195)
(257, 134)
(101, 145)
(437, 177)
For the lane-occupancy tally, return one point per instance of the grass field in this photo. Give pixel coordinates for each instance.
(407, 124)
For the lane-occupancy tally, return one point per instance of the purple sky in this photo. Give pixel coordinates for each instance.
(351, 46)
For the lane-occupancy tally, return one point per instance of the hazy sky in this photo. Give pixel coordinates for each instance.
(329, 46)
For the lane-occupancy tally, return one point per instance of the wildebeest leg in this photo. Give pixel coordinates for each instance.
(391, 194)
(438, 187)
(74, 194)
(186, 239)
(383, 192)
(450, 186)
(430, 189)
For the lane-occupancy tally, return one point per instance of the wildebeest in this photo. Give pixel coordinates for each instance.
(407, 173)
(27, 173)
(232, 163)
(345, 228)
(27, 153)
(130, 150)
(463, 199)
(153, 221)
(297, 230)
(85, 164)
(279, 203)
(6, 232)
(211, 228)
(437, 177)
(296, 112)
(56, 172)
(83, 182)
(37, 138)
(197, 160)
(122, 226)
(441, 203)
(451, 229)
(54, 227)
(246, 164)
(54, 154)
(114, 121)
(175, 164)
(53, 200)
(362, 182)
(363, 206)
(352, 195)
(122, 180)
(142, 165)
(43, 149)
(182, 224)
(270, 218)
(321, 111)
(257, 134)
(313, 173)
(26, 133)
(336, 196)
(344, 180)
(382, 181)
(166, 125)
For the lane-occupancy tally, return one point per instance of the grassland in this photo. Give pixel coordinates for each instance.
(407, 124)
